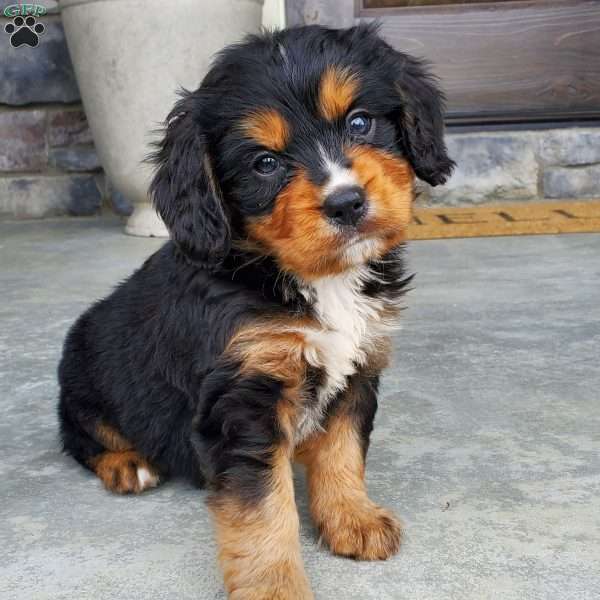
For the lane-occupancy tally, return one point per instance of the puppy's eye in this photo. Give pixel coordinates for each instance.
(359, 123)
(266, 164)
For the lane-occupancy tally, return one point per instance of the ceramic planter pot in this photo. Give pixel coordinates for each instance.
(130, 57)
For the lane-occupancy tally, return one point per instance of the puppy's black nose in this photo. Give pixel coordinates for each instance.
(345, 206)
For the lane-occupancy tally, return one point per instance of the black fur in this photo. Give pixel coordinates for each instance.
(185, 192)
(148, 358)
(235, 431)
(137, 359)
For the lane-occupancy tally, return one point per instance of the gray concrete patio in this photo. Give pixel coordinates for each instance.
(487, 440)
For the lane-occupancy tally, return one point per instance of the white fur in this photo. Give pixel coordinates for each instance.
(361, 251)
(338, 177)
(146, 479)
(351, 325)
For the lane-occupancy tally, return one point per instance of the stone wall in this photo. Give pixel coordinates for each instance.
(521, 166)
(48, 165)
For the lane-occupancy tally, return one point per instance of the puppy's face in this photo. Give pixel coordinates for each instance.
(315, 172)
(307, 142)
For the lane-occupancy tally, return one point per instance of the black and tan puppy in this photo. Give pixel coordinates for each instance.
(257, 335)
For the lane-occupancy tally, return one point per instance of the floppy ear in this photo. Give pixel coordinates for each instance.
(421, 120)
(185, 192)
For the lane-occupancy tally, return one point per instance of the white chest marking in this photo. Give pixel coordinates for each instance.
(351, 324)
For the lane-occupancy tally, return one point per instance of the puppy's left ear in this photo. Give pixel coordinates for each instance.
(421, 119)
(185, 192)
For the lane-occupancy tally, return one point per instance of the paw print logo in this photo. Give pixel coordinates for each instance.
(24, 31)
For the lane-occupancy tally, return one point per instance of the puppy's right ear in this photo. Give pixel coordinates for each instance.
(185, 192)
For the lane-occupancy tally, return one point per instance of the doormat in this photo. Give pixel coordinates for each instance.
(505, 219)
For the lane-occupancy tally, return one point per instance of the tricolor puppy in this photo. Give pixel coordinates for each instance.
(256, 336)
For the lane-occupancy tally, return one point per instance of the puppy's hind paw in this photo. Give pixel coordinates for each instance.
(125, 472)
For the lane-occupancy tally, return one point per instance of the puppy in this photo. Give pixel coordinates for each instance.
(256, 336)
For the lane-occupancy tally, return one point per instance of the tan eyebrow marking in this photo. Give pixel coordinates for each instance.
(268, 128)
(337, 90)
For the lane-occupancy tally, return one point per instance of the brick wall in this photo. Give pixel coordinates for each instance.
(48, 165)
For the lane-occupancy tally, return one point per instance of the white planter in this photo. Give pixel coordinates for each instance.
(130, 57)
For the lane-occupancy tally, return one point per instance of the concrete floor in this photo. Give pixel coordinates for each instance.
(487, 440)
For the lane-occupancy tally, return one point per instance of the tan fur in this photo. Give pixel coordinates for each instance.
(273, 348)
(259, 548)
(268, 128)
(296, 233)
(337, 90)
(379, 357)
(110, 438)
(118, 470)
(389, 185)
(350, 523)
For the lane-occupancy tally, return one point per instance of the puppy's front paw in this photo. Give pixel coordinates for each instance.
(366, 533)
(279, 584)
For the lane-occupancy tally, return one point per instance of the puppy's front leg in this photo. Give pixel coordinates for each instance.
(259, 548)
(349, 521)
(245, 445)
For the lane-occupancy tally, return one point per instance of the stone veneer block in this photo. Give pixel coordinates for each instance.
(47, 196)
(74, 158)
(572, 182)
(490, 167)
(40, 74)
(570, 147)
(120, 203)
(22, 140)
(68, 127)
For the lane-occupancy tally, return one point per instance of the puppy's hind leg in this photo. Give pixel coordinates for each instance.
(121, 468)
(102, 449)
(84, 425)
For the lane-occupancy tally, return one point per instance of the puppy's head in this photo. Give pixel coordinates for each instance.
(303, 145)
